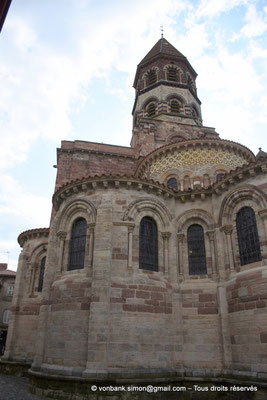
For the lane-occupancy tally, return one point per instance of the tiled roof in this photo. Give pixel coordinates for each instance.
(162, 47)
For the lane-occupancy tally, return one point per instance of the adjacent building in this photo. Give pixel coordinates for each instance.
(7, 283)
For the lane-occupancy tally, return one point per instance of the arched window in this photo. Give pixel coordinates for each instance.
(172, 182)
(148, 244)
(220, 176)
(248, 238)
(196, 250)
(175, 106)
(6, 316)
(41, 276)
(77, 244)
(151, 77)
(151, 109)
(172, 74)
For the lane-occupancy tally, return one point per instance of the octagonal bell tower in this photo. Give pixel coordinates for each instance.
(166, 102)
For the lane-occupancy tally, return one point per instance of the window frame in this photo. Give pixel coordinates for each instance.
(147, 244)
(245, 239)
(79, 265)
(201, 249)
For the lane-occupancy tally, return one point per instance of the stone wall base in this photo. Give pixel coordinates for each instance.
(14, 368)
(171, 386)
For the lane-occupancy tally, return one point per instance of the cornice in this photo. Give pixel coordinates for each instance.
(32, 234)
(105, 182)
(239, 175)
(90, 184)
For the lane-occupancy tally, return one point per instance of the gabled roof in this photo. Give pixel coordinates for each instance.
(162, 47)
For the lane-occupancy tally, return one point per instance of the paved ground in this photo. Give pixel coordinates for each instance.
(14, 388)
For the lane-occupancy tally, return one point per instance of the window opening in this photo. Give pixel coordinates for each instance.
(148, 244)
(77, 244)
(172, 182)
(248, 238)
(41, 275)
(196, 250)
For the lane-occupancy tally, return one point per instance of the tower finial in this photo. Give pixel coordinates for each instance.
(161, 28)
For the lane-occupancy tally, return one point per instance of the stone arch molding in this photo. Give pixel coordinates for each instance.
(74, 209)
(245, 195)
(38, 252)
(148, 205)
(195, 216)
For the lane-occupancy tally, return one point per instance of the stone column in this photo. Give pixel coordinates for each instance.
(211, 236)
(130, 247)
(263, 236)
(62, 237)
(98, 324)
(180, 237)
(18, 294)
(165, 237)
(91, 246)
(227, 229)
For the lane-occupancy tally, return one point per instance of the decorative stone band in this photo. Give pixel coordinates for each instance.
(109, 182)
(159, 189)
(32, 234)
(194, 152)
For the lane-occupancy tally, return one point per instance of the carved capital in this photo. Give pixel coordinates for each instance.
(165, 235)
(180, 237)
(62, 235)
(263, 213)
(227, 229)
(211, 235)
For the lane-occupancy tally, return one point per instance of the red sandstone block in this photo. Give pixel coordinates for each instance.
(208, 310)
(85, 306)
(250, 276)
(142, 294)
(156, 296)
(145, 308)
(129, 307)
(263, 296)
(206, 297)
(132, 286)
(188, 304)
(260, 304)
(168, 310)
(159, 310)
(118, 285)
(152, 302)
(117, 300)
(263, 337)
(197, 291)
(239, 307)
(250, 305)
(119, 256)
(127, 293)
(95, 299)
(187, 291)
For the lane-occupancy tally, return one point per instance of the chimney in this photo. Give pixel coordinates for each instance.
(3, 266)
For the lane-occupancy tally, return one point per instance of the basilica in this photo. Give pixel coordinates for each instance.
(155, 261)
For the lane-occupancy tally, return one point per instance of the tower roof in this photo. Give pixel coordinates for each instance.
(162, 47)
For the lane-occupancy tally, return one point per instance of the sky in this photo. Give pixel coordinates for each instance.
(66, 73)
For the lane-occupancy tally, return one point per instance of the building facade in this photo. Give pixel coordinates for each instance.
(154, 263)
(7, 283)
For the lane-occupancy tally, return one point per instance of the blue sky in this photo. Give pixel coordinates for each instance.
(66, 73)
